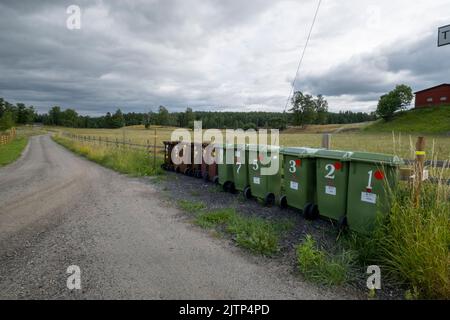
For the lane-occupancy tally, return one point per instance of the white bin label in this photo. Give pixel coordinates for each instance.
(256, 180)
(369, 197)
(294, 185)
(238, 153)
(330, 190)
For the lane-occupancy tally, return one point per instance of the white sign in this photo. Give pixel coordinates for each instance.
(369, 197)
(256, 180)
(294, 185)
(330, 190)
(444, 36)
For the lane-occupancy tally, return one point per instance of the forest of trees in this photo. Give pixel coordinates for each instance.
(305, 110)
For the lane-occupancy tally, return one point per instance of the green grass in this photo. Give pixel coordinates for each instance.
(322, 267)
(258, 235)
(11, 151)
(191, 206)
(414, 242)
(215, 218)
(132, 162)
(428, 120)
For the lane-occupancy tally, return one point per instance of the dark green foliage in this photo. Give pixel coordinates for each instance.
(394, 101)
(221, 120)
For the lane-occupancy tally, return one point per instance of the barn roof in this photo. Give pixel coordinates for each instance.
(441, 85)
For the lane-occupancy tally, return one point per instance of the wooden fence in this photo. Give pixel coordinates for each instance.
(8, 136)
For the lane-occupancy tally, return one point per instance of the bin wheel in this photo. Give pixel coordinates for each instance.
(177, 170)
(247, 193)
(311, 211)
(216, 180)
(186, 171)
(269, 200)
(205, 177)
(226, 186)
(283, 202)
(163, 166)
(198, 174)
(342, 223)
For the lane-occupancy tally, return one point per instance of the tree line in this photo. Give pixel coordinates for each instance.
(305, 110)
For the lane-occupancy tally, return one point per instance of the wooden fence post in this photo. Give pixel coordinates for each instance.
(419, 165)
(154, 151)
(326, 140)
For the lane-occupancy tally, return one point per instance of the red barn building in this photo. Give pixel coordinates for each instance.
(433, 96)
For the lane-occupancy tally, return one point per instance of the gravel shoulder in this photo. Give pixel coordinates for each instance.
(58, 209)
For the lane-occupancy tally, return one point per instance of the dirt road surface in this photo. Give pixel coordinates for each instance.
(58, 209)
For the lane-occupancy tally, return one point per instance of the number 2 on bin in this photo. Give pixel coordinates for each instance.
(331, 169)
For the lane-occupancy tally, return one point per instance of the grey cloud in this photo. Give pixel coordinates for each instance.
(365, 77)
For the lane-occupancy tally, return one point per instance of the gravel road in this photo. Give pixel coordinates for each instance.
(58, 209)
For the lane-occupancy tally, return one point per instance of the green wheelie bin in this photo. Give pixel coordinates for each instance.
(332, 168)
(372, 177)
(225, 166)
(240, 170)
(264, 186)
(299, 181)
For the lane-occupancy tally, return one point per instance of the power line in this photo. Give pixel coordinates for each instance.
(303, 54)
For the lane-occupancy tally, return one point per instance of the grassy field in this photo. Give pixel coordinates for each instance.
(392, 143)
(428, 120)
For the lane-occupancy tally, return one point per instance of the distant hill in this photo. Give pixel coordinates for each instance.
(429, 120)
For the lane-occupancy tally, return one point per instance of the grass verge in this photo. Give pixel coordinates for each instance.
(11, 151)
(129, 161)
(323, 267)
(253, 233)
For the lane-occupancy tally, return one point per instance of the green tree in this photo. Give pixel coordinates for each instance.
(55, 116)
(394, 101)
(304, 108)
(163, 116)
(69, 118)
(321, 108)
(117, 119)
(6, 121)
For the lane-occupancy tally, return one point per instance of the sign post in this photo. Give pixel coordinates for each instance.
(444, 36)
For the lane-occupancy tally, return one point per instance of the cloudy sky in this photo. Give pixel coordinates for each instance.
(217, 54)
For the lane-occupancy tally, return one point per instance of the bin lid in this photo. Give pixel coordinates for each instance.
(262, 147)
(300, 152)
(376, 158)
(334, 154)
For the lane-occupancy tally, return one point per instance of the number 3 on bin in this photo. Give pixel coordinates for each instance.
(292, 166)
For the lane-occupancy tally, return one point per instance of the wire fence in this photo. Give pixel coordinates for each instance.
(151, 149)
